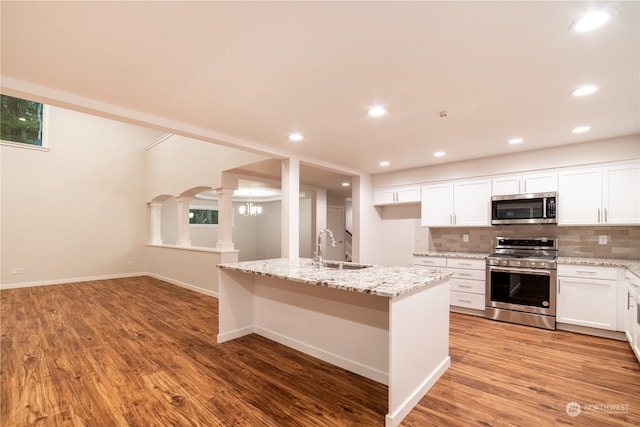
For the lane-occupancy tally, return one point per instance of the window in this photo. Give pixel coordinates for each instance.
(203, 216)
(21, 121)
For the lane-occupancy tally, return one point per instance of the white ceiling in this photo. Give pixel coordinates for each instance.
(249, 73)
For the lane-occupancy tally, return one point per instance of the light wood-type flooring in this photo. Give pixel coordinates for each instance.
(142, 352)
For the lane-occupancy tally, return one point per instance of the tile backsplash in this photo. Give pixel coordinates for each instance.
(622, 242)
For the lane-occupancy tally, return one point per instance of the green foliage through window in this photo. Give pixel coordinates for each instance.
(203, 216)
(21, 120)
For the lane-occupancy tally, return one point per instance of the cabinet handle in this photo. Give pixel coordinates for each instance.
(455, 220)
(598, 214)
(605, 215)
(628, 300)
(586, 272)
(464, 286)
(465, 274)
(464, 263)
(464, 300)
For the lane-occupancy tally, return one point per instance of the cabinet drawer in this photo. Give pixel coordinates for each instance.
(468, 274)
(588, 272)
(429, 261)
(470, 286)
(463, 299)
(472, 264)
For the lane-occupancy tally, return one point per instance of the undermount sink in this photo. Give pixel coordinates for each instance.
(345, 265)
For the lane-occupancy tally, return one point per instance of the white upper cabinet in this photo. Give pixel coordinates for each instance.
(461, 203)
(521, 184)
(621, 194)
(437, 205)
(385, 196)
(608, 195)
(396, 195)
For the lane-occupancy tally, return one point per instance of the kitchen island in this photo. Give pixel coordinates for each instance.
(389, 324)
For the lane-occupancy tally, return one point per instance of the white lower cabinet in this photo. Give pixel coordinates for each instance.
(467, 283)
(587, 296)
(632, 313)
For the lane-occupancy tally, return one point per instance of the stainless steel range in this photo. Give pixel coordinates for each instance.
(521, 281)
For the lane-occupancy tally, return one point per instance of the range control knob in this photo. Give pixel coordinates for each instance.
(532, 264)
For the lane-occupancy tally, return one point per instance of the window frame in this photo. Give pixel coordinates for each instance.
(45, 132)
(191, 208)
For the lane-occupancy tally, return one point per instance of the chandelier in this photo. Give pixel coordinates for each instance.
(249, 209)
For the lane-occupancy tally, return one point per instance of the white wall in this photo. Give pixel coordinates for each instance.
(178, 164)
(609, 150)
(79, 209)
(259, 237)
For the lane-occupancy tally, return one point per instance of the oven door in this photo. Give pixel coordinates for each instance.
(521, 289)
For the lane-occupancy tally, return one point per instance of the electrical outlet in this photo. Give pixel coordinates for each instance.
(602, 240)
(465, 237)
(17, 270)
(418, 236)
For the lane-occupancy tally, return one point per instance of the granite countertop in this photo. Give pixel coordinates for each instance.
(465, 255)
(376, 280)
(631, 264)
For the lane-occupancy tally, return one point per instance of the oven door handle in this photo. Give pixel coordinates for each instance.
(521, 271)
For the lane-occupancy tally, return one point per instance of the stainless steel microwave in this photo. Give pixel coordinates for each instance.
(532, 208)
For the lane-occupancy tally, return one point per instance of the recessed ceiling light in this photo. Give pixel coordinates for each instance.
(377, 111)
(515, 140)
(584, 90)
(593, 20)
(581, 129)
(296, 136)
(439, 153)
(384, 163)
(345, 184)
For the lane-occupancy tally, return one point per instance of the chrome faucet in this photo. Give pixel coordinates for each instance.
(318, 258)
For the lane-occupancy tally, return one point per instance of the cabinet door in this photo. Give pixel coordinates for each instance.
(540, 182)
(580, 198)
(505, 185)
(621, 194)
(472, 203)
(587, 302)
(384, 197)
(408, 195)
(631, 315)
(437, 205)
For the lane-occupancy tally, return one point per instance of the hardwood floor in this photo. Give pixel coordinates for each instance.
(142, 352)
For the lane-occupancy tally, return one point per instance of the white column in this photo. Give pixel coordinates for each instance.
(364, 220)
(290, 243)
(155, 211)
(183, 221)
(225, 219)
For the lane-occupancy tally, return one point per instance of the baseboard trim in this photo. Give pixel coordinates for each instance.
(335, 359)
(108, 277)
(602, 333)
(72, 280)
(397, 417)
(183, 284)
